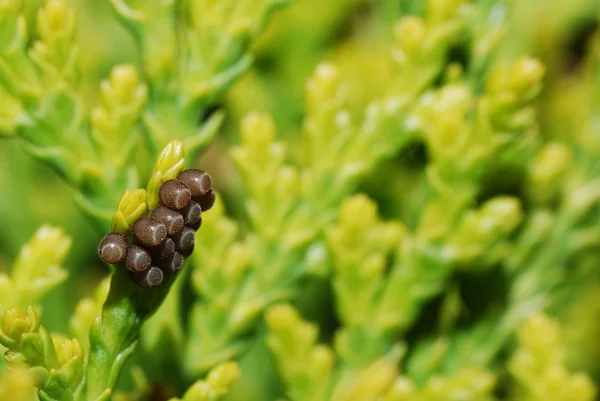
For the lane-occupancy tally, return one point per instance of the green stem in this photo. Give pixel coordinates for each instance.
(114, 335)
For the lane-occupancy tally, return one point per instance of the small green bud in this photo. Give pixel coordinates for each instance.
(10, 7)
(409, 33)
(131, 207)
(169, 164)
(455, 73)
(86, 312)
(32, 348)
(323, 88)
(305, 366)
(14, 25)
(216, 385)
(403, 389)
(468, 384)
(550, 162)
(69, 370)
(222, 377)
(257, 130)
(520, 78)
(358, 213)
(372, 268)
(259, 157)
(124, 88)
(549, 167)
(481, 229)
(113, 121)
(55, 52)
(538, 365)
(287, 183)
(244, 314)
(450, 139)
(200, 391)
(15, 323)
(281, 317)
(509, 90)
(582, 388)
(37, 268)
(67, 349)
(368, 384)
(15, 358)
(360, 244)
(18, 73)
(321, 360)
(439, 11)
(360, 238)
(502, 212)
(55, 20)
(316, 260)
(539, 334)
(581, 197)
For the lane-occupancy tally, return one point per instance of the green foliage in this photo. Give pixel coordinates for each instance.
(308, 369)
(93, 147)
(538, 365)
(407, 202)
(215, 386)
(37, 269)
(56, 363)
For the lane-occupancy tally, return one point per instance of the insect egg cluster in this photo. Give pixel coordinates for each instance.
(162, 240)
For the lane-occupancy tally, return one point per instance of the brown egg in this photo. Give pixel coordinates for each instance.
(113, 248)
(174, 194)
(173, 263)
(184, 241)
(165, 250)
(150, 231)
(192, 215)
(149, 278)
(207, 200)
(170, 218)
(198, 181)
(138, 258)
(196, 225)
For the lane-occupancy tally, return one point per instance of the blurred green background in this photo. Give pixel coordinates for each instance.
(355, 34)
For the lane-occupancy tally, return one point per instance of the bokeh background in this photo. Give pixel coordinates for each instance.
(354, 34)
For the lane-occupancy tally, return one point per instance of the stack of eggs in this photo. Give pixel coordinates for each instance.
(162, 240)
